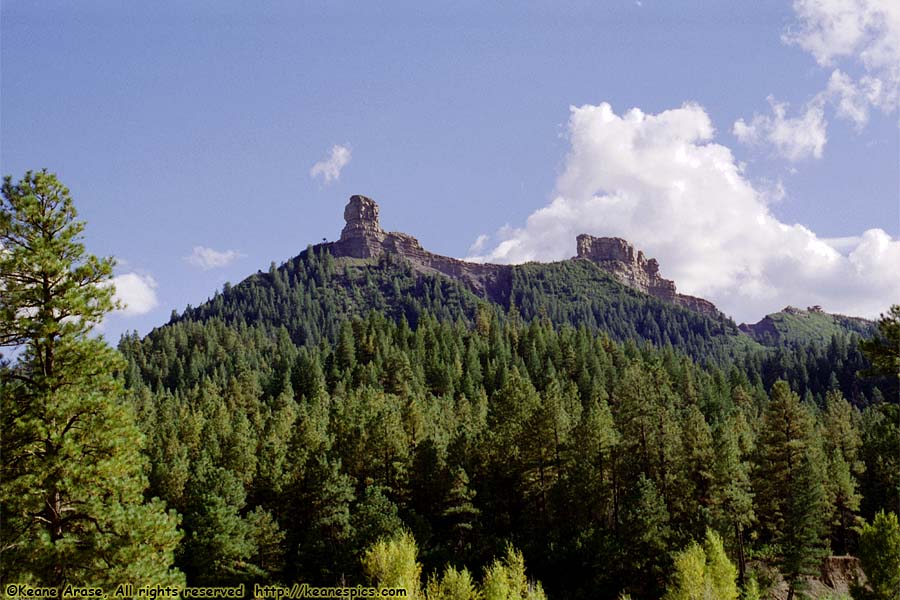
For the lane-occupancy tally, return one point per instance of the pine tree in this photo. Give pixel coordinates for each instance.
(324, 508)
(884, 349)
(801, 540)
(732, 495)
(842, 442)
(880, 440)
(71, 479)
(459, 512)
(697, 463)
(647, 528)
(792, 502)
(374, 517)
(879, 553)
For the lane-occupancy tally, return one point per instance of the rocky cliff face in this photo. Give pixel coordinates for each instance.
(632, 268)
(363, 237)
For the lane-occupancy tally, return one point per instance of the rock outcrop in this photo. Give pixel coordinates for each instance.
(363, 238)
(635, 270)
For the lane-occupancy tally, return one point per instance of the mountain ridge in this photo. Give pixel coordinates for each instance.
(362, 237)
(607, 286)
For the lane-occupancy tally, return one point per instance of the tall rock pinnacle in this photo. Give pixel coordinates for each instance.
(362, 236)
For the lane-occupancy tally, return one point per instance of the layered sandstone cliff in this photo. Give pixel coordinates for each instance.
(363, 237)
(635, 270)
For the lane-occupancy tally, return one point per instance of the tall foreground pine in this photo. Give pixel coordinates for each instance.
(791, 497)
(71, 472)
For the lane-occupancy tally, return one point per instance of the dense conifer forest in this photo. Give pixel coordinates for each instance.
(342, 422)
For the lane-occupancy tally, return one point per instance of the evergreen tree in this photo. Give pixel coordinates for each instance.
(879, 553)
(792, 502)
(375, 517)
(71, 480)
(324, 509)
(732, 495)
(880, 483)
(883, 350)
(801, 543)
(647, 531)
(459, 512)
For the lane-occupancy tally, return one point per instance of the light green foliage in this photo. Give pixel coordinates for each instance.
(879, 553)
(751, 589)
(392, 563)
(72, 476)
(703, 572)
(452, 585)
(506, 580)
(798, 326)
(690, 571)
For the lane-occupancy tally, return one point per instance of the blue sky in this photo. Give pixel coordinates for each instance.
(183, 126)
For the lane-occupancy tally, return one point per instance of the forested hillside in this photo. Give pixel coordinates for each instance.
(327, 403)
(597, 459)
(312, 293)
(344, 422)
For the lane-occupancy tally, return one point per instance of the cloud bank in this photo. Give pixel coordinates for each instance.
(330, 168)
(661, 182)
(136, 292)
(207, 258)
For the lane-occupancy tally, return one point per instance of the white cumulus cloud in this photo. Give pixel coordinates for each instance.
(864, 32)
(208, 258)
(862, 36)
(330, 168)
(661, 182)
(136, 292)
(795, 138)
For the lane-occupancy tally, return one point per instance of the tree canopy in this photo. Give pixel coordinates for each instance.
(72, 473)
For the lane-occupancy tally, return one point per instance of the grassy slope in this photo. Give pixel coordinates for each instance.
(794, 326)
